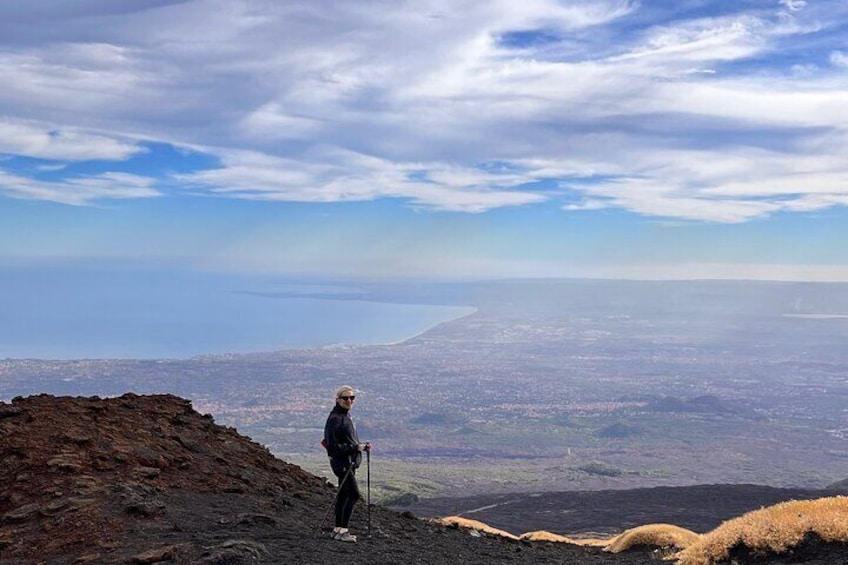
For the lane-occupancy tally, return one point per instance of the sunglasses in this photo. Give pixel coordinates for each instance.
(351, 397)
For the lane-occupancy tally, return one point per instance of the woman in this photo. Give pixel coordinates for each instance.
(345, 453)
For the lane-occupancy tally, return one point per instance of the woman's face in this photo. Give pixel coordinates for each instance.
(346, 399)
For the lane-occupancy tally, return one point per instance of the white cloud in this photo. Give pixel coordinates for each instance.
(588, 204)
(271, 121)
(839, 59)
(728, 39)
(794, 5)
(36, 140)
(721, 186)
(347, 176)
(71, 83)
(749, 104)
(657, 197)
(352, 101)
(79, 191)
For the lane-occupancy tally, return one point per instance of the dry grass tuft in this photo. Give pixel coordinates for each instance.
(772, 530)
(653, 535)
(542, 535)
(474, 525)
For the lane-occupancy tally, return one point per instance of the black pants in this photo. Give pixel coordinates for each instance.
(348, 495)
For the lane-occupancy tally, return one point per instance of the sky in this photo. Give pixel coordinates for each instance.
(427, 138)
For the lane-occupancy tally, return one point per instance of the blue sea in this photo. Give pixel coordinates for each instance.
(143, 314)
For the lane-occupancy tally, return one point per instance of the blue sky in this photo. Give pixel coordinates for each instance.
(421, 139)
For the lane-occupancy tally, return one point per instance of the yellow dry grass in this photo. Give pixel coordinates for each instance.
(772, 530)
(542, 535)
(653, 535)
(474, 525)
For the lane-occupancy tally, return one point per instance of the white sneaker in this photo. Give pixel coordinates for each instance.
(344, 536)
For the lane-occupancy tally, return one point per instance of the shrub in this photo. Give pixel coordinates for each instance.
(474, 525)
(653, 535)
(404, 499)
(772, 530)
(601, 469)
(542, 535)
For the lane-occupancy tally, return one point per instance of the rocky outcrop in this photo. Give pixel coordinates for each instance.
(79, 474)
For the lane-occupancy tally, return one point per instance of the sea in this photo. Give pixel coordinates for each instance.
(72, 313)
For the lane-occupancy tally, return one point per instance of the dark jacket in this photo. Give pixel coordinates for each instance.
(341, 441)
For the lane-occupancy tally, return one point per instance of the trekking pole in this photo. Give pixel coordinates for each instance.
(368, 485)
(335, 498)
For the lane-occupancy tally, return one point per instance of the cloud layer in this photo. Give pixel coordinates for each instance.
(720, 114)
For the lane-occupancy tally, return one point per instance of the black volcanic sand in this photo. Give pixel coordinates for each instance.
(699, 508)
(146, 479)
(290, 536)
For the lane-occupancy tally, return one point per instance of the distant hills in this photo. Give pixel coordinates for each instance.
(703, 404)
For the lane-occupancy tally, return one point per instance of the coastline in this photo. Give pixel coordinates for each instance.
(473, 310)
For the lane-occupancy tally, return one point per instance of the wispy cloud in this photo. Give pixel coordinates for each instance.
(79, 191)
(39, 141)
(686, 114)
(341, 176)
(839, 58)
(794, 5)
